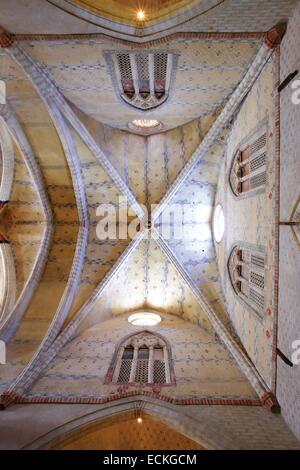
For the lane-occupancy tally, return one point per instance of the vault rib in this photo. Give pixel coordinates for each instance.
(25, 381)
(10, 325)
(50, 93)
(73, 283)
(8, 162)
(40, 79)
(264, 53)
(244, 363)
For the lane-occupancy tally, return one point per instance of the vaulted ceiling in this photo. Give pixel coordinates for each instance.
(76, 131)
(206, 73)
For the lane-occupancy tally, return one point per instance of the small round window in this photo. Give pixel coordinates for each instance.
(144, 319)
(218, 223)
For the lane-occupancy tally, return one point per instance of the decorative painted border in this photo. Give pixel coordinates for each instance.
(117, 396)
(118, 27)
(277, 218)
(148, 43)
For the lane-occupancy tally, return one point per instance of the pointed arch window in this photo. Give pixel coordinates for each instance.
(248, 172)
(144, 358)
(142, 79)
(247, 275)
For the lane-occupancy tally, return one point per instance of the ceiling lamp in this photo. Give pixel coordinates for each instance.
(145, 123)
(145, 126)
(218, 223)
(140, 15)
(144, 319)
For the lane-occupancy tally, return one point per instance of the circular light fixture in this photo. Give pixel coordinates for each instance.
(144, 319)
(145, 123)
(140, 15)
(145, 126)
(218, 223)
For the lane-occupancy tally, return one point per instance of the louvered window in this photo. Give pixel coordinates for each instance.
(247, 275)
(248, 171)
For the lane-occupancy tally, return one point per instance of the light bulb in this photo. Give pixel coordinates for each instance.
(140, 15)
(139, 420)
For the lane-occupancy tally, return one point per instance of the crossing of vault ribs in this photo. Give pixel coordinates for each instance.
(68, 153)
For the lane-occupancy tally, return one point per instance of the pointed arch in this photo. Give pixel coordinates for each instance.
(142, 357)
(246, 268)
(248, 171)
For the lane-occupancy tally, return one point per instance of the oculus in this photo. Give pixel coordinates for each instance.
(144, 319)
(218, 223)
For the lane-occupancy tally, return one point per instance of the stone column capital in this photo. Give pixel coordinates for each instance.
(269, 400)
(6, 39)
(274, 37)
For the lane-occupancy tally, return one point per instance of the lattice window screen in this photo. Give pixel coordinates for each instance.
(159, 372)
(125, 66)
(141, 374)
(256, 298)
(146, 364)
(140, 62)
(248, 171)
(126, 364)
(247, 274)
(257, 261)
(159, 367)
(160, 65)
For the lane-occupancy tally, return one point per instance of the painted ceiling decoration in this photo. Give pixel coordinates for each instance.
(155, 257)
(123, 16)
(206, 73)
(95, 121)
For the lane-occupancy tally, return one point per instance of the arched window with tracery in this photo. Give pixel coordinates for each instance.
(247, 275)
(142, 358)
(248, 173)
